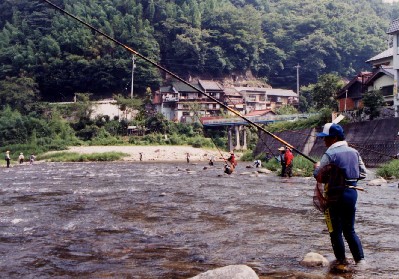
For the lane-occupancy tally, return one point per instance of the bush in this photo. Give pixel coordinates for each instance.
(199, 141)
(76, 157)
(105, 138)
(248, 156)
(302, 166)
(389, 170)
(176, 140)
(273, 165)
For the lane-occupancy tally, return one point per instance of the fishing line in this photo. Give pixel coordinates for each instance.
(199, 119)
(176, 77)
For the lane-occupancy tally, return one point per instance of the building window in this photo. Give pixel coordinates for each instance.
(387, 90)
(252, 98)
(397, 43)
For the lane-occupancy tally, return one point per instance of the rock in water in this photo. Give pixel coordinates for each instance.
(264, 170)
(230, 272)
(314, 259)
(377, 182)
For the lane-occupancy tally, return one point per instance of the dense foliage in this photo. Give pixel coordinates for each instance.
(373, 101)
(213, 38)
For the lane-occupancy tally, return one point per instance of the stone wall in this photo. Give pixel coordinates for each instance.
(377, 141)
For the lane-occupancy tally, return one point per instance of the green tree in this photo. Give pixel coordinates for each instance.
(157, 123)
(324, 91)
(127, 105)
(19, 93)
(306, 97)
(373, 101)
(83, 107)
(286, 109)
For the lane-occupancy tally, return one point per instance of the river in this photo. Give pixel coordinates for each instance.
(158, 220)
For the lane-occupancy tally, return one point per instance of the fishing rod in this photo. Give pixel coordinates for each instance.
(176, 77)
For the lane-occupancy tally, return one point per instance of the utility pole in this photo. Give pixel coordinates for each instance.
(133, 67)
(297, 79)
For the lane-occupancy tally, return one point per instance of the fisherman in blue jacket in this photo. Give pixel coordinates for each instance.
(340, 214)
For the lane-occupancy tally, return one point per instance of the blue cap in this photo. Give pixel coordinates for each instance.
(332, 130)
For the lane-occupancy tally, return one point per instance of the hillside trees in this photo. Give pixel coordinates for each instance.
(324, 37)
(20, 93)
(190, 37)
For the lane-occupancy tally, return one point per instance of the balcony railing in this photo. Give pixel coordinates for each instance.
(170, 99)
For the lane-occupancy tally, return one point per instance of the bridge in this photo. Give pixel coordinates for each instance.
(238, 121)
(236, 126)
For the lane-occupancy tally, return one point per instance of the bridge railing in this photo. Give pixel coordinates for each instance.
(257, 119)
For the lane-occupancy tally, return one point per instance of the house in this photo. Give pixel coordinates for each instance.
(183, 103)
(234, 100)
(381, 78)
(384, 58)
(259, 98)
(350, 96)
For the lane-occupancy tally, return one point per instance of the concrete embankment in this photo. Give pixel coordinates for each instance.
(377, 140)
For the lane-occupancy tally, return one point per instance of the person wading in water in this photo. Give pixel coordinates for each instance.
(282, 161)
(232, 163)
(289, 159)
(341, 167)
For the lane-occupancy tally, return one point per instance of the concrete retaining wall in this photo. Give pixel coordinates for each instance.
(376, 141)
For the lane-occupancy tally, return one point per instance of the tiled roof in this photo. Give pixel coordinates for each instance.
(393, 27)
(166, 89)
(210, 85)
(381, 71)
(281, 92)
(182, 87)
(385, 54)
(268, 91)
(361, 78)
(232, 92)
(251, 89)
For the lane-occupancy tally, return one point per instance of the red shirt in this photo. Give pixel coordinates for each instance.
(288, 156)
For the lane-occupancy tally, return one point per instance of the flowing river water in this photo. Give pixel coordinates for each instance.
(159, 220)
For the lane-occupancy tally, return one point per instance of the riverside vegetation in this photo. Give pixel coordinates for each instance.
(38, 135)
(47, 57)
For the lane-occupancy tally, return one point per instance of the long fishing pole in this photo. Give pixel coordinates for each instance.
(176, 77)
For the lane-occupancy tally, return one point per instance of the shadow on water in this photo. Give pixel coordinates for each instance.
(132, 220)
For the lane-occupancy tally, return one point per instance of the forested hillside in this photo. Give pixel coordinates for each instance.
(44, 54)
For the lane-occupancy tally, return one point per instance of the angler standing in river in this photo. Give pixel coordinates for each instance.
(7, 158)
(282, 161)
(289, 161)
(345, 164)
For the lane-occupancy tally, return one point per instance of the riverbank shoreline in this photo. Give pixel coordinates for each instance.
(158, 153)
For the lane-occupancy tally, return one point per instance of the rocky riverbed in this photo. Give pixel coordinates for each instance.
(176, 220)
